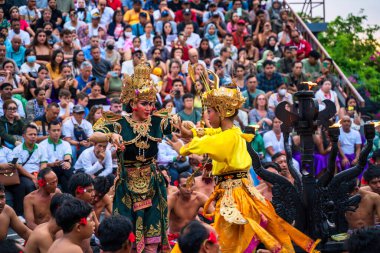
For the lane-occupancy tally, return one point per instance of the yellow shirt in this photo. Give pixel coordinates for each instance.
(227, 149)
(131, 17)
(53, 74)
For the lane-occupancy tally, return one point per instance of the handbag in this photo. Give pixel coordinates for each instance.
(9, 177)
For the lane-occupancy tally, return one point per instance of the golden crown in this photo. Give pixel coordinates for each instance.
(224, 100)
(139, 86)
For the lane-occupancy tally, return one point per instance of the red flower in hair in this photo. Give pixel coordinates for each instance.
(212, 238)
(41, 182)
(131, 237)
(80, 190)
(175, 183)
(83, 221)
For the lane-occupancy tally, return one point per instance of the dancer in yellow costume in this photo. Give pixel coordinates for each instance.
(243, 218)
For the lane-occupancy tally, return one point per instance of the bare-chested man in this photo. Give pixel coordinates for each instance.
(372, 176)
(101, 200)
(264, 187)
(280, 159)
(369, 206)
(8, 218)
(204, 184)
(37, 203)
(183, 206)
(45, 234)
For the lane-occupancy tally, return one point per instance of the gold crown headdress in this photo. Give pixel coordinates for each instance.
(225, 100)
(139, 86)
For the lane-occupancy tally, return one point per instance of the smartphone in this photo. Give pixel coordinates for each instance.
(240, 11)
(14, 161)
(176, 92)
(350, 108)
(69, 77)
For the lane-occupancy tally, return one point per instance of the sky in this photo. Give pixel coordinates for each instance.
(342, 8)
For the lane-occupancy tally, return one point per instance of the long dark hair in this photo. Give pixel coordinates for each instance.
(75, 62)
(53, 63)
(35, 39)
(204, 54)
(164, 35)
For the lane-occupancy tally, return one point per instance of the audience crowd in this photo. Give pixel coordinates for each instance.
(62, 64)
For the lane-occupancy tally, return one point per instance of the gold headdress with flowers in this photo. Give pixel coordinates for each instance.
(226, 100)
(139, 86)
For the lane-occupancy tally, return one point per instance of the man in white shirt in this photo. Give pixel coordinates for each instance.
(193, 59)
(29, 12)
(76, 131)
(16, 30)
(192, 38)
(273, 140)
(58, 154)
(96, 160)
(105, 12)
(349, 145)
(227, 42)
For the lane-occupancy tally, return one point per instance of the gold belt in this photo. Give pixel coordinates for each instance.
(139, 179)
(232, 176)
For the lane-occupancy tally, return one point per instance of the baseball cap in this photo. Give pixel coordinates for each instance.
(241, 22)
(186, 12)
(78, 108)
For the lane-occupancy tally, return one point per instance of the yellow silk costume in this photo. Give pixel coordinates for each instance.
(242, 217)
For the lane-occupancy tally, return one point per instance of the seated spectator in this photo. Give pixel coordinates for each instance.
(96, 97)
(303, 47)
(269, 79)
(191, 37)
(24, 26)
(295, 78)
(280, 96)
(176, 94)
(188, 113)
(51, 38)
(116, 106)
(205, 51)
(261, 114)
(16, 51)
(233, 23)
(115, 234)
(85, 78)
(349, 145)
(147, 38)
(128, 66)
(78, 59)
(364, 240)
(65, 104)
(42, 122)
(211, 35)
(76, 130)
(372, 177)
(76, 220)
(252, 51)
(11, 125)
(94, 42)
(220, 71)
(95, 113)
(249, 66)
(67, 45)
(352, 110)
(16, 31)
(197, 237)
(37, 203)
(8, 218)
(132, 16)
(285, 64)
(157, 43)
(278, 16)
(227, 42)
(100, 66)
(29, 69)
(113, 82)
(43, 236)
(197, 90)
(117, 26)
(6, 94)
(326, 92)
(105, 12)
(58, 154)
(174, 72)
(273, 139)
(138, 28)
(41, 47)
(265, 188)
(73, 22)
(327, 66)
(311, 66)
(251, 92)
(267, 56)
(31, 159)
(102, 202)
(272, 44)
(188, 17)
(36, 107)
(193, 60)
(225, 58)
(157, 62)
(45, 17)
(83, 101)
(55, 65)
(13, 78)
(112, 55)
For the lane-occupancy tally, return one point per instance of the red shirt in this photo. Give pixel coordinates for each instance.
(302, 47)
(179, 16)
(238, 39)
(114, 4)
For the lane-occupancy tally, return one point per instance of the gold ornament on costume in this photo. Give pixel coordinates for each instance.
(139, 86)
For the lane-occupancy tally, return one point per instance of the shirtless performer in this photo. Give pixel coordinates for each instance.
(36, 203)
(101, 200)
(45, 234)
(8, 218)
(372, 176)
(264, 187)
(369, 206)
(76, 219)
(183, 207)
(204, 184)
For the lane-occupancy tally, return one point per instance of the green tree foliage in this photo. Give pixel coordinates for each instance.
(353, 46)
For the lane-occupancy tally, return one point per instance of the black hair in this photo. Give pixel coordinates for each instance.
(177, 80)
(296, 62)
(364, 241)
(79, 179)
(93, 48)
(57, 201)
(82, 95)
(228, 35)
(70, 213)
(329, 60)
(273, 165)
(259, 12)
(376, 154)
(75, 62)
(187, 95)
(102, 185)
(115, 101)
(156, 37)
(277, 155)
(113, 232)
(38, 89)
(372, 172)
(357, 104)
(2, 188)
(184, 175)
(42, 67)
(43, 173)
(267, 62)
(315, 54)
(192, 237)
(55, 66)
(10, 246)
(51, 105)
(33, 126)
(54, 123)
(29, 51)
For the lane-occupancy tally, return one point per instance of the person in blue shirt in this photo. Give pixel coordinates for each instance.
(16, 51)
(85, 78)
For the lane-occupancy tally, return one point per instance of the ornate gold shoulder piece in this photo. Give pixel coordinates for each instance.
(107, 118)
(162, 113)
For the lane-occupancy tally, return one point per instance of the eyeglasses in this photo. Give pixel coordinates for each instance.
(12, 108)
